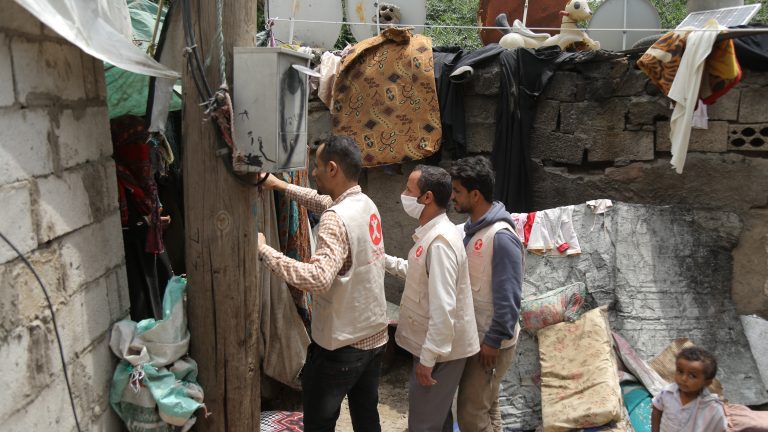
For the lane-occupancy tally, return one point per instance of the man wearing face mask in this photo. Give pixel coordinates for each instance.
(346, 278)
(437, 321)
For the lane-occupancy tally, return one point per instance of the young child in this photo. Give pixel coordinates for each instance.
(686, 405)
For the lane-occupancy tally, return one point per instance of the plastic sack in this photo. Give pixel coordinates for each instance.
(567, 303)
(154, 387)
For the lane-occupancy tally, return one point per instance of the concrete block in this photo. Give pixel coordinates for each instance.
(50, 411)
(547, 114)
(16, 221)
(91, 68)
(31, 301)
(101, 184)
(611, 69)
(752, 108)
(63, 205)
(85, 317)
(565, 87)
(47, 71)
(714, 139)
(485, 81)
(633, 82)
(480, 137)
(589, 117)
(752, 78)
(480, 109)
(94, 369)
(557, 147)
(110, 184)
(646, 110)
(16, 19)
(745, 137)
(29, 353)
(620, 145)
(6, 70)
(727, 107)
(122, 290)
(91, 251)
(24, 149)
(83, 135)
(9, 315)
(117, 294)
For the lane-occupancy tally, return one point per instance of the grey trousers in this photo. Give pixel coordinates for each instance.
(429, 408)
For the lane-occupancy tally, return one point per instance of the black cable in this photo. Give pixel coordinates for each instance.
(55, 327)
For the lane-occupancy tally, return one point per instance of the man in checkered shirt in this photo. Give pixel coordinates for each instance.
(346, 278)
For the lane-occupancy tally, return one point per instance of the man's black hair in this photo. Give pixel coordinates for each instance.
(436, 180)
(695, 353)
(346, 153)
(474, 173)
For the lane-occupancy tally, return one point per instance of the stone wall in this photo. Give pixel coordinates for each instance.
(601, 131)
(58, 198)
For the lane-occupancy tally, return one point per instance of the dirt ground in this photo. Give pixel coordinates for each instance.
(393, 395)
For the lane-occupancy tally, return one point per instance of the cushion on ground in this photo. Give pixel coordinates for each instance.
(579, 379)
(562, 304)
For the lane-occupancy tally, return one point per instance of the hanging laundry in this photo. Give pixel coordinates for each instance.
(284, 338)
(684, 65)
(520, 220)
(700, 117)
(553, 234)
(294, 234)
(600, 206)
(752, 51)
(685, 91)
(524, 75)
(450, 91)
(385, 98)
(330, 64)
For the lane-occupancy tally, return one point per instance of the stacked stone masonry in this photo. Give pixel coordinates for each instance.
(58, 199)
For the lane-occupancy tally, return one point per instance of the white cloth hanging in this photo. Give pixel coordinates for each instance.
(685, 90)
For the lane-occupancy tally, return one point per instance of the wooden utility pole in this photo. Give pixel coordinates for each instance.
(221, 258)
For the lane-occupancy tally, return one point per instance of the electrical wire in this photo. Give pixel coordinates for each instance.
(447, 26)
(55, 327)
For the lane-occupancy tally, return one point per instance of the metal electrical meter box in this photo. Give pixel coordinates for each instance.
(270, 109)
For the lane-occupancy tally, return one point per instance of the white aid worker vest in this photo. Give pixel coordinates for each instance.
(480, 259)
(354, 308)
(414, 307)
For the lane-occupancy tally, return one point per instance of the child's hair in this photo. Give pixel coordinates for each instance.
(700, 354)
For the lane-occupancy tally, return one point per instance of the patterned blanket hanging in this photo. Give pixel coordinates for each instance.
(385, 98)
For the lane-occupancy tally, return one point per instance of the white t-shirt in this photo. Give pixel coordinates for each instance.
(703, 414)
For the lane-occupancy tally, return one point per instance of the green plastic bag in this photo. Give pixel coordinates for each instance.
(154, 388)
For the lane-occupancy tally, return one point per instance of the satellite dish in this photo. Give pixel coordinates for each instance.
(316, 35)
(412, 12)
(626, 14)
(541, 14)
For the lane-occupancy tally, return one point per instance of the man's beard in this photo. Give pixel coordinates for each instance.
(459, 209)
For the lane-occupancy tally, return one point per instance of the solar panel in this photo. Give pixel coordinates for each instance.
(727, 17)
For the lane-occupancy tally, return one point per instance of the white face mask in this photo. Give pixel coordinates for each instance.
(411, 206)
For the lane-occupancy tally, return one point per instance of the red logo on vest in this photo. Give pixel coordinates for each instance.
(478, 244)
(419, 251)
(374, 229)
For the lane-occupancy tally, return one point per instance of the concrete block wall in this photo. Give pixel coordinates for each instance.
(58, 205)
(602, 131)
